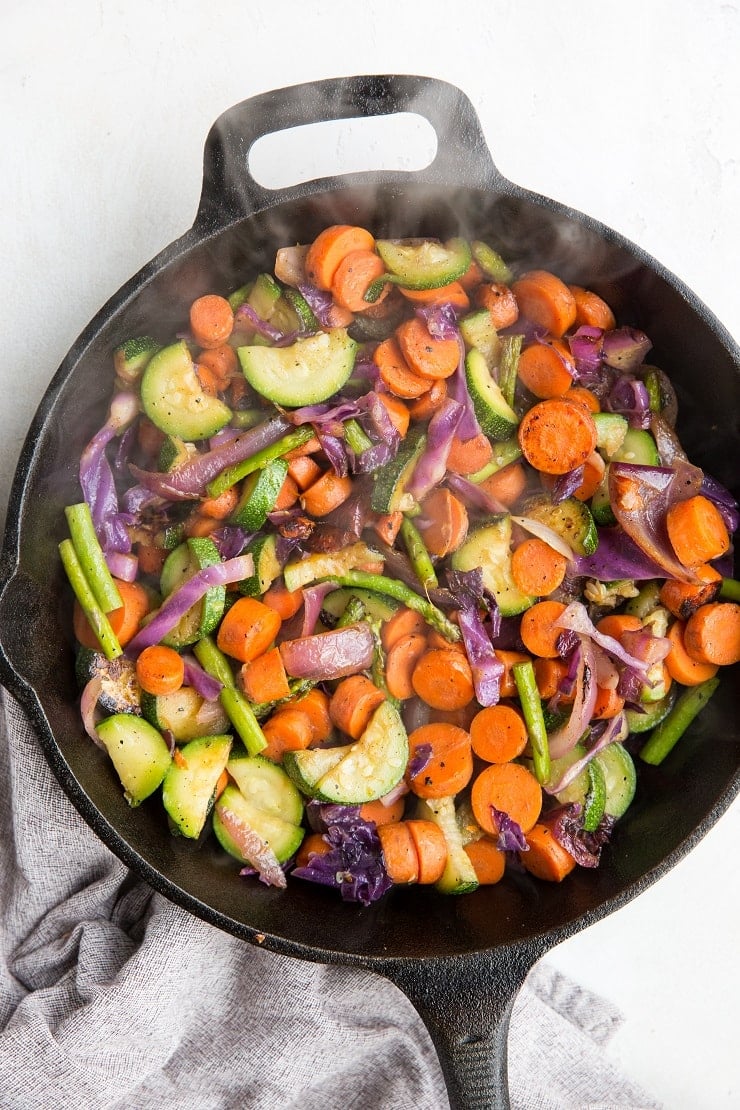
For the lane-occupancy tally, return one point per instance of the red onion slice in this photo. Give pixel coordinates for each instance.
(615, 731)
(566, 737)
(253, 848)
(329, 655)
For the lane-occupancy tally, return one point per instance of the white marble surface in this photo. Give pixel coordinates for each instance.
(628, 111)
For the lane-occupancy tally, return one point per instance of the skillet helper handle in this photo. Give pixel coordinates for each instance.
(230, 192)
(466, 1005)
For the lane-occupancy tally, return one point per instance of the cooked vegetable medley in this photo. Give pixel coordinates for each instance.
(389, 565)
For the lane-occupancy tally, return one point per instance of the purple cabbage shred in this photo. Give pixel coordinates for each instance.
(354, 864)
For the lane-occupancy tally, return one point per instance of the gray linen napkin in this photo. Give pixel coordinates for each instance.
(112, 997)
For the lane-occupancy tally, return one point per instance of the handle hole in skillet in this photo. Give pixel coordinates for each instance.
(403, 141)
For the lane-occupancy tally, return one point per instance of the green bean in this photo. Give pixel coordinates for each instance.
(391, 587)
(730, 589)
(91, 557)
(420, 558)
(97, 619)
(235, 705)
(529, 696)
(355, 437)
(666, 735)
(233, 474)
(511, 346)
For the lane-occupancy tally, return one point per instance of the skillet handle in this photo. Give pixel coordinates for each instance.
(230, 192)
(466, 1005)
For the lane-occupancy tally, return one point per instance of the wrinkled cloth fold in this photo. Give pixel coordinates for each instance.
(112, 997)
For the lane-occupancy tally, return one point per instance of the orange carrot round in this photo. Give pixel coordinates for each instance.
(467, 456)
(508, 686)
(304, 471)
(488, 861)
(537, 629)
(680, 665)
(509, 788)
(546, 858)
(591, 309)
(424, 407)
(444, 522)
(160, 670)
(443, 679)
(353, 703)
(608, 703)
(312, 845)
(425, 355)
(544, 299)
(353, 276)
(328, 493)
(287, 731)
(329, 248)
(450, 766)
(287, 494)
(209, 381)
(593, 475)
(431, 849)
(400, 664)
(583, 396)
(500, 302)
(547, 369)
(221, 361)
(697, 531)
(506, 485)
(453, 294)
(537, 569)
(397, 411)
(498, 734)
(615, 624)
(222, 506)
(264, 678)
(381, 814)
(211, 320)
(285, 602)
(396, 373)
(548, 674)
(399, 853)
(124, 621)
(682, 599)
(404, 622)
(248, 629)
(557, 436)
(712, 634)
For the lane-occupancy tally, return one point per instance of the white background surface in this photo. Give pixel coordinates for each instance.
(628, 111)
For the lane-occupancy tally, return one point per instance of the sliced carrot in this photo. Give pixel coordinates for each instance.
(425, 406)
(506, 485)
(381, 814)
(353, 703)
(211, 320)
(312, 446)
(472, 277)
(537, 629)
(444, 522)
(697, 531)
(304, 471)
(151, 558)
(353, 276)
(396, 373)
(221, 361)
(547, 369)
(682, 599)
(544, 299)
(209, 381)
(548, 674)
(508, 687)
(248, 629)
(593, 475)
(453, 294)
(327, 493)
(437, 640)
(546, 858)
(467, 456)
(286, 731)
(312, 845)
(583, 396)
(400, 856)
(287, 495)
(387, 526)
(315, 705)
(264, 678)
(489, 863)
(500, 302)
(431, 849)
(222, 506)
(614, 624)
(404, 622)
(498, 734)
(557, 436)
(197, 525)
(429, 357)
(591, 309)
(712, 634)
(160, 670)
(460, 718)
(286, 603)
(397, 411)
(450, 766)
(223, 782)
(400, 663)
(329, 248)
(509, 788)
(608, 703)
(443, 679)
(124, 621)
(238, 390)
(679, 664)
(537, 569)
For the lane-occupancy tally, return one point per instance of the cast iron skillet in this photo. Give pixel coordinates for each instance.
(459, 960)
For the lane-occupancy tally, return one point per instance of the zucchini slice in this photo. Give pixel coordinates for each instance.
(308, 371)
(138, 752)
(390, 480)
(130, 358)
(571, 519)
(174, 400)
(283, 837)
(495, 415)
(181, 564)
(184, 713)
(263, 549)
(459, 875)
(489, 548)
(478, 330)
(422, 263)
(189, 787)
(259, 493)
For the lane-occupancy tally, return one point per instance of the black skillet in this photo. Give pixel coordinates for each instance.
(461, 960)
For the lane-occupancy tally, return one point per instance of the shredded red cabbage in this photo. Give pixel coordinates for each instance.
(419, 760)
(485, 665)
(432, 465)
(586, 347)
(510, 835)
(629, 396)
(615, 731)
(617, 556)
(440, 319)
(354, 865)
(568, 830)
(715, 492)
(565, 485)
(457, 390)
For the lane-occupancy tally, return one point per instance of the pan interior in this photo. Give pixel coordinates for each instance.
(674, 803)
